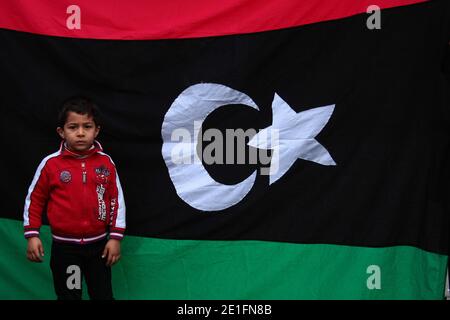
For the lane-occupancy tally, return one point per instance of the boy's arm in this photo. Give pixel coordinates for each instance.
(35, 202)
(117, 207)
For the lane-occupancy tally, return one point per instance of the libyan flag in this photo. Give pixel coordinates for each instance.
(353, 201)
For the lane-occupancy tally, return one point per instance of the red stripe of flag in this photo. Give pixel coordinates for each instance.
(156, 19)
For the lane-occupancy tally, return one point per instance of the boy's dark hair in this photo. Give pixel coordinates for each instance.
(80, 105)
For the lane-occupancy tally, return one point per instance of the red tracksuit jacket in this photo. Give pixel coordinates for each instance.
(82, 194)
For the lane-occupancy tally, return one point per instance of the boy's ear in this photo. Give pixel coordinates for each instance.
(97, 130)
(60, 132)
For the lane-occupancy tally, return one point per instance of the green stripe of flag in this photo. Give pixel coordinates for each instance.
(195, 269)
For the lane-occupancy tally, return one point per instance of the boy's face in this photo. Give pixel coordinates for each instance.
(79, 131)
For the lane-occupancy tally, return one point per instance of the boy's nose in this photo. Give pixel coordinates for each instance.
(80, 132)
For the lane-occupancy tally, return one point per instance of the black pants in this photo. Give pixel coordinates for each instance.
(71, 262)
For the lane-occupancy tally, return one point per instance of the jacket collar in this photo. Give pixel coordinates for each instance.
(96, 147)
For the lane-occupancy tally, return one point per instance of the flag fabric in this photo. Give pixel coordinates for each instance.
(353, 114)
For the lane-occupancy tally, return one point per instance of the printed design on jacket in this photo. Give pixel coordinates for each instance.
(65, 176)
(111, 211)
(101, 202)
(101, 176)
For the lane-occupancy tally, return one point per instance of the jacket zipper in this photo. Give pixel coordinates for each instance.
(84, 179)
(83, 169)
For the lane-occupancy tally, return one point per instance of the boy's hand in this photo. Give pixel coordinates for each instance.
(111, 252)
(35, 250)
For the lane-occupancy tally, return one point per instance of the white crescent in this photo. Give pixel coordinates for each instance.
(192, 182)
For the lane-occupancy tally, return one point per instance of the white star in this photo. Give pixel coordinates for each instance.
(292, 136)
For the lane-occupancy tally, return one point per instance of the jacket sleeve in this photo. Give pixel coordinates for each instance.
(117, 207)
(35, 201)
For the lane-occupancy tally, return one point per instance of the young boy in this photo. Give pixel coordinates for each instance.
(79, 187)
